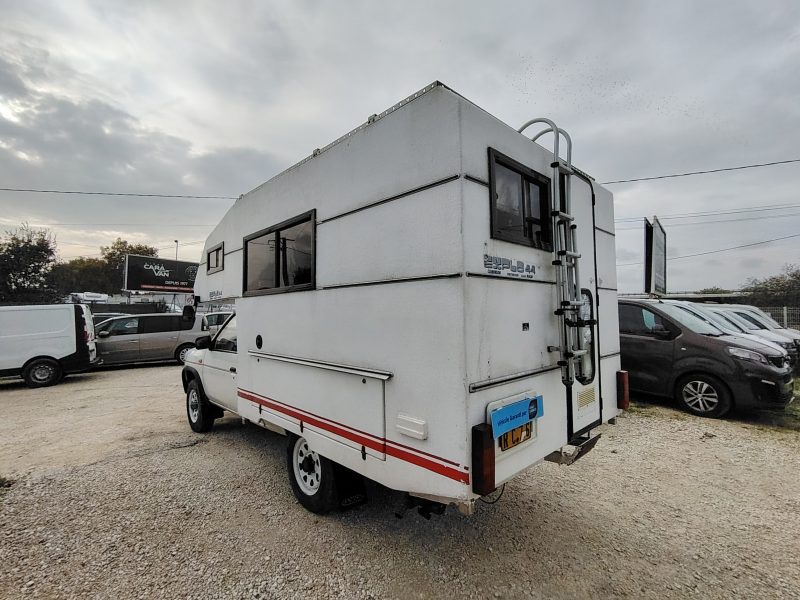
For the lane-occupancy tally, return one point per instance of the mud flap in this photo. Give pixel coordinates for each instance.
(567, 458)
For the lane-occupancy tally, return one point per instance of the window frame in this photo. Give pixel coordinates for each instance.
(527, 175)
(222, 328)
(221, 248)
(310, 216)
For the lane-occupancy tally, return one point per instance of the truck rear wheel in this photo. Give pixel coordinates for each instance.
(199, 411)
(312, 477)
(42, 372)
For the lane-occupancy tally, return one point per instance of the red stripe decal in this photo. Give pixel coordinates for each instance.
(359, 437)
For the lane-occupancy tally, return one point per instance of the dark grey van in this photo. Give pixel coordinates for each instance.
(668, 351)
(151, 337)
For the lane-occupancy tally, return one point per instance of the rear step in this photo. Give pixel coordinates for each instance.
(582, 448)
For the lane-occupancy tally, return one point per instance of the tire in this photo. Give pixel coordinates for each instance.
(703, 395)
(180, 353)
(312, 477)
(42, 372)
(199, 412)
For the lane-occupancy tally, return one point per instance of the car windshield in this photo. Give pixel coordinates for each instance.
(687, 319)
(724, 322)
(710, 317)
(754, 319)
(748, 325)
(768, 319)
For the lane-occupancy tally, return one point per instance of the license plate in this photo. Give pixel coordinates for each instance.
(516, 436)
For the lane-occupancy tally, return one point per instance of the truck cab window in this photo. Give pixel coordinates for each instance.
(226, 339)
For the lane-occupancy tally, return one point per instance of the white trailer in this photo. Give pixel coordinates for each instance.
(429, 301)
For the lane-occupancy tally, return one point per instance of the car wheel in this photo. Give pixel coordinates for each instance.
(311, 476)
(198, 410)
(704, 395)
(42, 372)
(182, 351)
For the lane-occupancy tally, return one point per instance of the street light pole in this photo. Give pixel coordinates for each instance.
(176, 249)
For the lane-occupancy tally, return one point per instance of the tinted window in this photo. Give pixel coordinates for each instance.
(226, 339)
(281, 258)
(520, 203)
(752, 319)
(122, 326)
(161, 324)
(637, 320)
(215, 258)
(261, 263)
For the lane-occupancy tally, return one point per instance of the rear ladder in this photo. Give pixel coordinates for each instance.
(567, 257)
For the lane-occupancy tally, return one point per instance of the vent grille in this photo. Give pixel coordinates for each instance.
(586, 397)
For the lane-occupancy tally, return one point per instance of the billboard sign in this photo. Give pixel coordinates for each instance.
(153, 274)
(655, 257)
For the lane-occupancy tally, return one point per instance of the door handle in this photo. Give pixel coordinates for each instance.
(133, 341)
(232, 369)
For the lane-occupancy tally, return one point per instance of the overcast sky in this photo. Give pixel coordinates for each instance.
(213, 98)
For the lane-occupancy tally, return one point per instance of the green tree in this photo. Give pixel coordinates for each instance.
(114, 256)
(82, 275)
(27, 256)
(778, 290)
(714, 290)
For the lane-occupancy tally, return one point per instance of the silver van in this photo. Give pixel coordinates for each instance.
(143, 338)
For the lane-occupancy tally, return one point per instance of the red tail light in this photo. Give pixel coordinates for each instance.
(623, 391)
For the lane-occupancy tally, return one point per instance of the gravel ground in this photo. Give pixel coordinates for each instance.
(114, 497)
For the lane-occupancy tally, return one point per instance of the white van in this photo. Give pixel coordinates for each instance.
(429, 302)
(42, 343)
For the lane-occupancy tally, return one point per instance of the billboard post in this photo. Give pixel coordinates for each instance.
(153, 274)
(655, 258)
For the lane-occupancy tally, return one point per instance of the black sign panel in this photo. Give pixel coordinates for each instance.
(655, 257)
(152, 274)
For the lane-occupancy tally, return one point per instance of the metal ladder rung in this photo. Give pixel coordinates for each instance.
(562, 216)
(569, 253)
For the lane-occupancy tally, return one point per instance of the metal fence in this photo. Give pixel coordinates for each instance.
(788, 316)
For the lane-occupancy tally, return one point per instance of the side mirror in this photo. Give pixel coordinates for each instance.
(661, 332)
(203, 342)
(103, 334)
(188, 313)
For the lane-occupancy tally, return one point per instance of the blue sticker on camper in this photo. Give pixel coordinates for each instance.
(514, 415)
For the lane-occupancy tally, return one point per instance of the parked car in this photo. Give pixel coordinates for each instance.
(729, 326)
(760, 319)
(758, 329)
(212, 321)
(98, 318)
(668, 351)
(150, 337)
(43, 343)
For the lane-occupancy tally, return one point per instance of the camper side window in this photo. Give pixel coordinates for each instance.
(520, 198)
(215, 258)
(281, 258)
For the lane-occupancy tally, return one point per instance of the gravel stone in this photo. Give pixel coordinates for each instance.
(114, 497)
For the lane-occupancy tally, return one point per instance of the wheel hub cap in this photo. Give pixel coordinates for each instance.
(307, 470)
(194, 406)
(700, 396)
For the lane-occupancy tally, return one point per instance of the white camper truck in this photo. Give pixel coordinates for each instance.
(429, 302)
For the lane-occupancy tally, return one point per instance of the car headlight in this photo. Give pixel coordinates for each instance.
(786, 345)
(748, 355)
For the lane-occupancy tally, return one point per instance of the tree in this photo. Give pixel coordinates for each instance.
(114, 256)
(82, 275)
(778, 290)
(714, 290)
(26, 258)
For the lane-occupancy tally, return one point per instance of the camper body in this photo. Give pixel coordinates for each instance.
(391, 314)
(41, 343)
